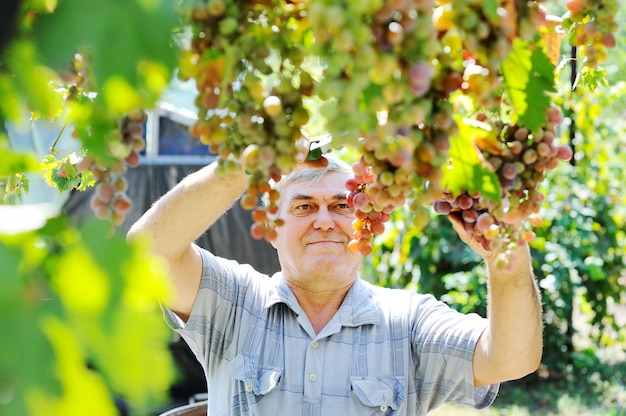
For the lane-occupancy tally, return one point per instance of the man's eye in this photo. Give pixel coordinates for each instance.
(302, 207)
(344, 208)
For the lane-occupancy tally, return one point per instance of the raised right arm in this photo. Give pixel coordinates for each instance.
(176, 220)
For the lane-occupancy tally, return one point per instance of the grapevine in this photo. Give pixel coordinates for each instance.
(409, 144)
(124, 140)
(391, 77)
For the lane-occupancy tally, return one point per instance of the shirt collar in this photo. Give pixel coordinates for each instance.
(359, 307)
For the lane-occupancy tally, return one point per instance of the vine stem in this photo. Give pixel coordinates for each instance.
(56, 140)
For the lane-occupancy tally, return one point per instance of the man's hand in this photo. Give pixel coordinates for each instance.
(468, 238)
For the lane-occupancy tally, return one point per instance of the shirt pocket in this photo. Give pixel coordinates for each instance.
(257, 384)
(377, 395)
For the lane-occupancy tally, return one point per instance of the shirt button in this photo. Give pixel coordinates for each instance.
(248, 388)
(315, 344)
(312, 377)
(383, 408)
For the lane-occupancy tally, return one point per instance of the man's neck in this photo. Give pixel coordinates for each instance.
(320, 306)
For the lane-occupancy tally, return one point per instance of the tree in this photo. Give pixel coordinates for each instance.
(451, 105)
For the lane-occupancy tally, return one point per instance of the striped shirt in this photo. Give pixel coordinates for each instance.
(385, 352)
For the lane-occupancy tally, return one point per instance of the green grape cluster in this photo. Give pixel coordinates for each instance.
(592, 27)
(246, 59)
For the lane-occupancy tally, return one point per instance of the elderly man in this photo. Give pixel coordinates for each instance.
(314, 339)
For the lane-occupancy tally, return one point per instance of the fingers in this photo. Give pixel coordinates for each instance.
(467, 237)
(457, 224)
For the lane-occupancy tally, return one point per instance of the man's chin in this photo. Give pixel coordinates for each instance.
(330, 262)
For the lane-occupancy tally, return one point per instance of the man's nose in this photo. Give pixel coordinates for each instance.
(323, 219)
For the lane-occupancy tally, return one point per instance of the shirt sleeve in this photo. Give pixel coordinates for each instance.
(444, 341)
(210, 329)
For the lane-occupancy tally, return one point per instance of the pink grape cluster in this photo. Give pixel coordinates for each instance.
(594, 25)
(370, 215)
(124, 141)
(520, 163)
(110, 200)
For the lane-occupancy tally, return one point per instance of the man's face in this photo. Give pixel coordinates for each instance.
(313, 241)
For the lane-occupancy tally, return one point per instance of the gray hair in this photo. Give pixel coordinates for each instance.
(308, 174)
(311, 174)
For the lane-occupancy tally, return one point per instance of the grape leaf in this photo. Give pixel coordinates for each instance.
(528, 78)
(465, 171)
(591, 78)
(119, 35)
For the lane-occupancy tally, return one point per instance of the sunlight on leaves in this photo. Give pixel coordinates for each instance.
(73, 344)
(528, 79)
(33, 80)
(81, 284)
(96, 26)
(84, 392)
(465, 171)
(120, 96)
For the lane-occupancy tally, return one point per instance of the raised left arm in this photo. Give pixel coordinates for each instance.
(511, 346)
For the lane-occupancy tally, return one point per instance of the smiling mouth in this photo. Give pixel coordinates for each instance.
(325, 242)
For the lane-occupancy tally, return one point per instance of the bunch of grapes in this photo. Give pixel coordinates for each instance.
(123, 140)
(592, 28)
(476, 41)
(110, 200)
(251, 110)
(520, 163)
(74, 77)
(391, 75)
(383, 57)
(370, 212)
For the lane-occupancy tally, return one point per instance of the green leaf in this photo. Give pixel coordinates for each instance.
(528, 78)
(118, 35)
(465, 171)
(31, 82)
(591, 78)
(14, 162)
(372, 92)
